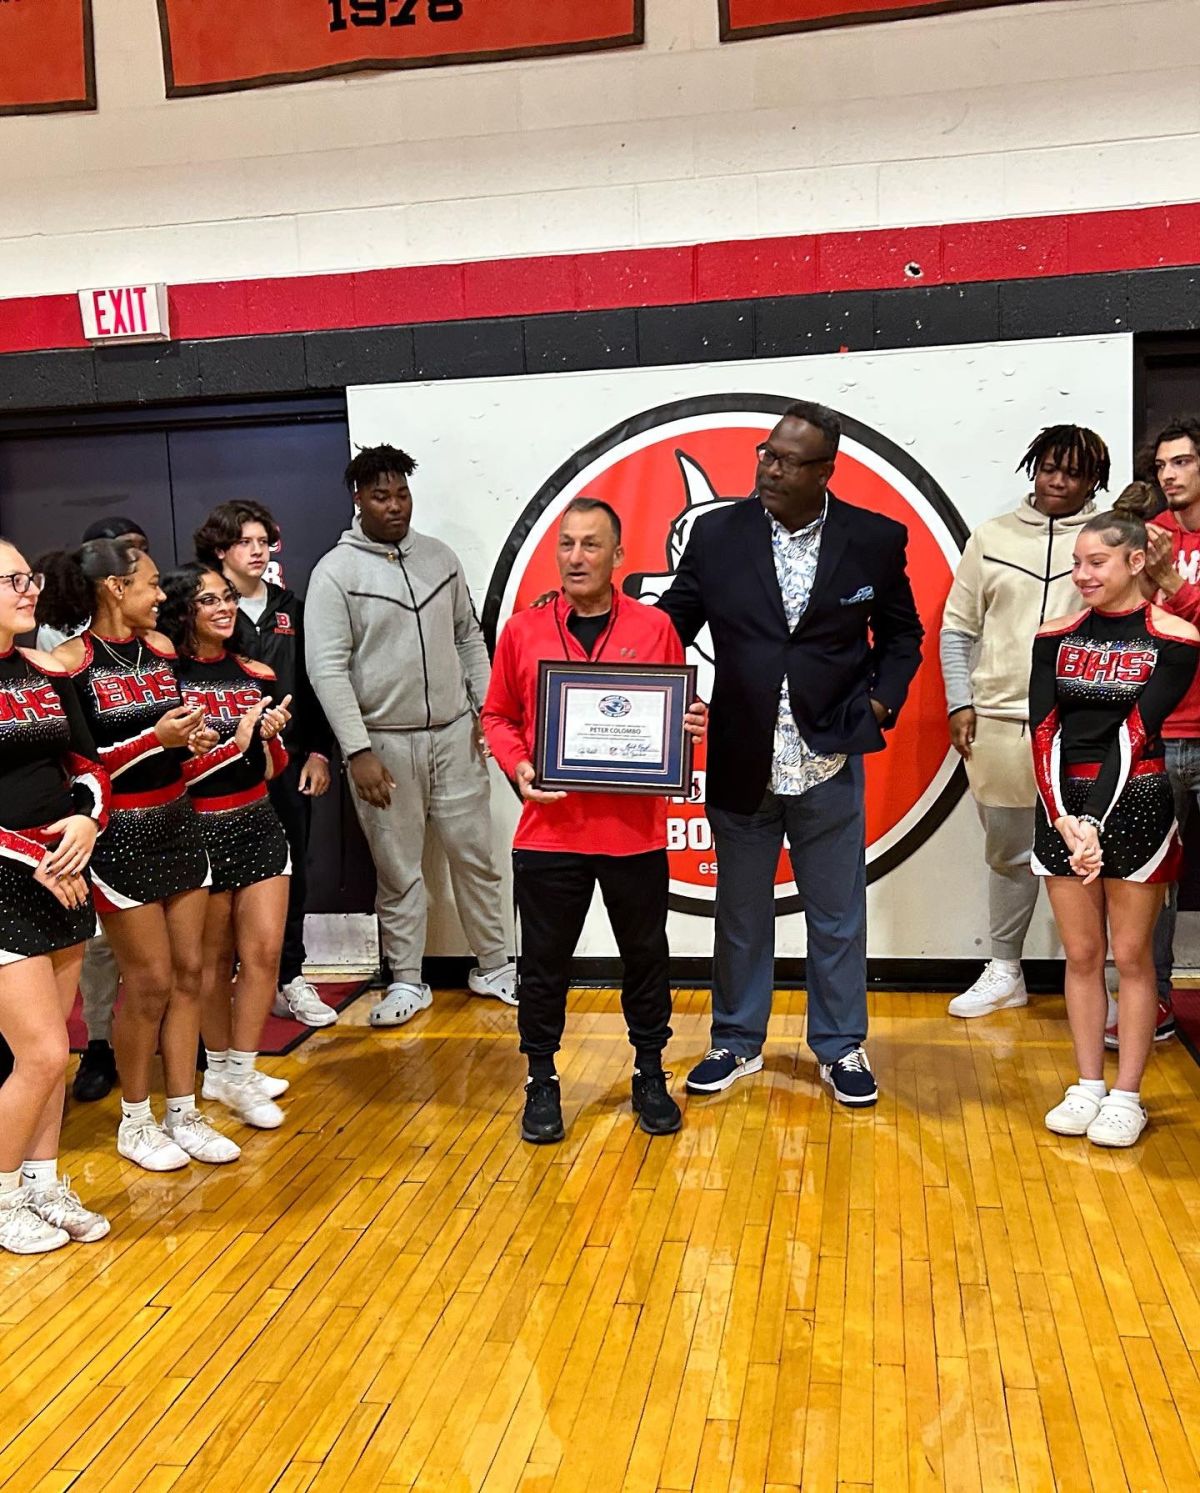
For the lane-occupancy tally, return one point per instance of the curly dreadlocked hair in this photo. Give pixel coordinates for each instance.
(373, 462)
(1073, 444)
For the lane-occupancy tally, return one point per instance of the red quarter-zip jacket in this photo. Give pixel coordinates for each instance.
(591, 823)
(1184, 721)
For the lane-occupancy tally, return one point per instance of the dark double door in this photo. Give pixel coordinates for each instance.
(166, 470)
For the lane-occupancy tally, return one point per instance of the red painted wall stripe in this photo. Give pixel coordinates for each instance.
(1008, 249)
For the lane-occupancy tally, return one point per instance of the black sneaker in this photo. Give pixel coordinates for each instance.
(657, 1112)
(542, 1122)
(851, 1078)
(96, 1074)
(718, 1068)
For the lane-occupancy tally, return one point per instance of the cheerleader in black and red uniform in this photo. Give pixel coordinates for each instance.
(247, 847)
(245, 839)
(53, 803)
(150, 870)
(1103, 682)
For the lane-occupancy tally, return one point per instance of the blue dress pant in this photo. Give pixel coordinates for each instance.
(826, 837)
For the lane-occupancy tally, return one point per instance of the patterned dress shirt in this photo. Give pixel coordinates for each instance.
(795, 767)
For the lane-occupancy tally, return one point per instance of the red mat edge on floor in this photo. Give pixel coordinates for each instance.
(279, 1036)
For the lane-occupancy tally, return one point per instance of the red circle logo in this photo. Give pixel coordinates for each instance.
(662, 471)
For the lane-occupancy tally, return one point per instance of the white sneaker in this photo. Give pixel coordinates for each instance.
(192, 1133)
(298, 1001)
(501, 983)
(211, 1088)
(58, 1206)
(23, 1231)
(147, 1143)
(248, 1099)
(401, 1002)
(1076, 1112)
(1120, 1122)
(996, 988)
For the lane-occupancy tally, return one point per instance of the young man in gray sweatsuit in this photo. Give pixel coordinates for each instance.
(399, 665)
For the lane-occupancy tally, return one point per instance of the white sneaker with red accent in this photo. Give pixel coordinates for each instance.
(1164, 1026)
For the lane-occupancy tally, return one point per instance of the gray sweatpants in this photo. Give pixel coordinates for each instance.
(1012, 888)
(98, 982)
(441, 780)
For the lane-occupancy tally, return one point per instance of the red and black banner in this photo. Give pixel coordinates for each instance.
(47, 65)
(747, 18)
(216, 48)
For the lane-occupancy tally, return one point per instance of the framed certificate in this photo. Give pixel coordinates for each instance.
(614, 729)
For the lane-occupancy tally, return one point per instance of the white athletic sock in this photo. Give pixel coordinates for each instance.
(177, 1108)
(1009, 966)
(1095, 1086)
(40, 1174)
(9, 1182)
(240, 1065)
(218, 1062)
(138, 1109)
(1134, 1094)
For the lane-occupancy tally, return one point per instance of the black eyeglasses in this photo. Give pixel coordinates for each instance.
(768, 456)
(24, 580)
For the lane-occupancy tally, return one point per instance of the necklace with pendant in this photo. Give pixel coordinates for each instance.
(116, 657)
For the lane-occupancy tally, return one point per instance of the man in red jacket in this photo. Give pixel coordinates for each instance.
(1173, 565)
(625, 835)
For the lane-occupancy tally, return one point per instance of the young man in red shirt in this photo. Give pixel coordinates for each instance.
(1173, 567)
(568, 843)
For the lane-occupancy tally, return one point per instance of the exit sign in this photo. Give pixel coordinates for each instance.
(125, 313)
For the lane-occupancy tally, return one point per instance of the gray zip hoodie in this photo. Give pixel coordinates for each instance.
(392, 641)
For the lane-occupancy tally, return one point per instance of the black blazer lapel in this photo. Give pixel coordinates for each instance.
(834, 539)
(758, 540)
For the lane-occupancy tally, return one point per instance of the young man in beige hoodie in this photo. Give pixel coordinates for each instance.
(1014, 573)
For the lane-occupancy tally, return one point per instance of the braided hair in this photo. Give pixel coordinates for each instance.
(1069, 445)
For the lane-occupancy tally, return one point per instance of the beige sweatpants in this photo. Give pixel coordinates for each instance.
(441, 780)
(1000, 772)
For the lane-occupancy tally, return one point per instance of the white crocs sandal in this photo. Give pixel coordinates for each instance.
(1119, 1123)
(401, 1002)
(1076, 1112)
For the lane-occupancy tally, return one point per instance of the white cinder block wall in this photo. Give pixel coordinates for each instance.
(1066, 105)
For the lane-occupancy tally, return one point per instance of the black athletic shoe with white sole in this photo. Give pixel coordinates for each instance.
(657, 1112)
(851, 1078)
(542, 1121)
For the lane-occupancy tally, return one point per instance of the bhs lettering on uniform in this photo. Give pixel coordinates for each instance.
(223, 704)
(118, 691)
(37, 703)
(1105, 665)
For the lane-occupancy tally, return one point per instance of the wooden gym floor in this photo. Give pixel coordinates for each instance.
(394, 1291)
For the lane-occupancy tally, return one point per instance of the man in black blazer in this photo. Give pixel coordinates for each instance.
(815, 642)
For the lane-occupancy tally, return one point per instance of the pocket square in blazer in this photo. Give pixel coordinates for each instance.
(864, 593)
